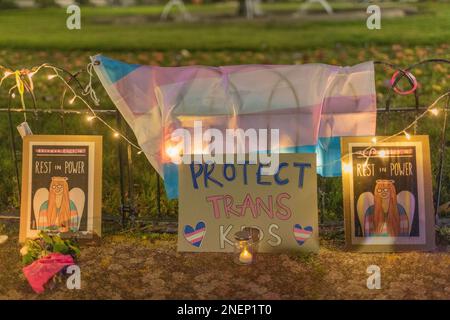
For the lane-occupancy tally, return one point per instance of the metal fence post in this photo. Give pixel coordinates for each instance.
(441, 160)
(14, 150)
(158, 194)
(130, 183)
(121, 164)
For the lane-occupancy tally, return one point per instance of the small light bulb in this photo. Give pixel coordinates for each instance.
(90, 118)
(171, 151)
(434, 111)
(374, 140)
(13, 95)
(51, 76)
(382, 153)
(116, 135)
(407, 135)
(347, 167)
(139, 152)
(72, 100)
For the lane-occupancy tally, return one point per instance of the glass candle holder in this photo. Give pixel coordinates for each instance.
(244, 248)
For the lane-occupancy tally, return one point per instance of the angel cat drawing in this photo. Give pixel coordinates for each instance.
(384, 212)
(58, 209)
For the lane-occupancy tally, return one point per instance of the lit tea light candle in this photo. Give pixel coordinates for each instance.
(245, 257)
(244, 248)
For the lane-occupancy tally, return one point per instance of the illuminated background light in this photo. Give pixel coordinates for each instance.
(434, 111)
(172, 151)
(347, 167)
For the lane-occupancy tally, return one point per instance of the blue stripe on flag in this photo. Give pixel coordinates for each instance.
(329, 157)
(116, 70)
(171, 180)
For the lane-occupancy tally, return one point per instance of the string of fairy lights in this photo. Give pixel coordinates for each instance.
(431, 109)
(23, 83)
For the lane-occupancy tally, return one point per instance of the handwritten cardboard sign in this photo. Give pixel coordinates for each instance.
(61, 185)
(217, 200)
(388, 200)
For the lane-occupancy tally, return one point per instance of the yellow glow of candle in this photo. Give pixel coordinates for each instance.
(245, 257)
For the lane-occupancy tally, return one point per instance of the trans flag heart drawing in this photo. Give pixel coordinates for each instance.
(302, 234)
(195, 235)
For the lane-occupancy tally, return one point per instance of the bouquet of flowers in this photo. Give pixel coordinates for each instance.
(45, 244)
(45, 257)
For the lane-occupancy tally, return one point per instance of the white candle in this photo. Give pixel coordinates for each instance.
(245, 257)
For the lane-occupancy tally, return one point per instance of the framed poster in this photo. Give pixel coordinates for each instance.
(61, 185)
(218, 200)
(388, 202)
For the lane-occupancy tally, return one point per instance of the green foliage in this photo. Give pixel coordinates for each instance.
(45, 3)
(7, 4)
(443, 234)
(2, 229)
(157, 236)
(46, 244)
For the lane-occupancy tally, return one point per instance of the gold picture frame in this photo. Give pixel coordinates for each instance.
(385, 174)
(51, 165)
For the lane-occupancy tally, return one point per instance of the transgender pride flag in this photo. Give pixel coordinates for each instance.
(311, 105)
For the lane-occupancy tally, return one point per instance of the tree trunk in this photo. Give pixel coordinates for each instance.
(242, 9)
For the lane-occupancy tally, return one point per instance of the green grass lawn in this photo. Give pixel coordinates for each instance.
(45, 29)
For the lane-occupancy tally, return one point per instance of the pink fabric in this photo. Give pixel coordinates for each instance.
(42, 270)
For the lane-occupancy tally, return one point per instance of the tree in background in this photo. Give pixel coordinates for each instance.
(249, 8)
